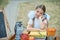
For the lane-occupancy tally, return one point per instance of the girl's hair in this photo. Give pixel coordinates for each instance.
(42, 7)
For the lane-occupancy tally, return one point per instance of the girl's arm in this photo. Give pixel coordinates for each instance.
(44, 24)
(30, 28)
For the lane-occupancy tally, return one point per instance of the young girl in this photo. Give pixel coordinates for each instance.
(40, 18)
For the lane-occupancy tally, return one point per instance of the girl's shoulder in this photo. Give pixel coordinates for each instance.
(47, 16)
(31, 14)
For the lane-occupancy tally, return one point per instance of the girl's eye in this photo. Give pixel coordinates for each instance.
(41, 13)
(37, 11)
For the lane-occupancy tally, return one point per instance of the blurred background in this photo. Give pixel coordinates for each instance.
(52, 8)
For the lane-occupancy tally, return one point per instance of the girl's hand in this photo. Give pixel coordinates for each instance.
(42, 29)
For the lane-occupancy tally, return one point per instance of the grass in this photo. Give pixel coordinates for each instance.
(3, 3)
(53, 9)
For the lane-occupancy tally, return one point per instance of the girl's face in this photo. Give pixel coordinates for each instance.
(39, 12)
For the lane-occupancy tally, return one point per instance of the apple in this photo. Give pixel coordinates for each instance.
(24, 37)
(31, 38)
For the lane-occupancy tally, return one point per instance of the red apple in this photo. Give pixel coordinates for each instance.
(24, 37)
